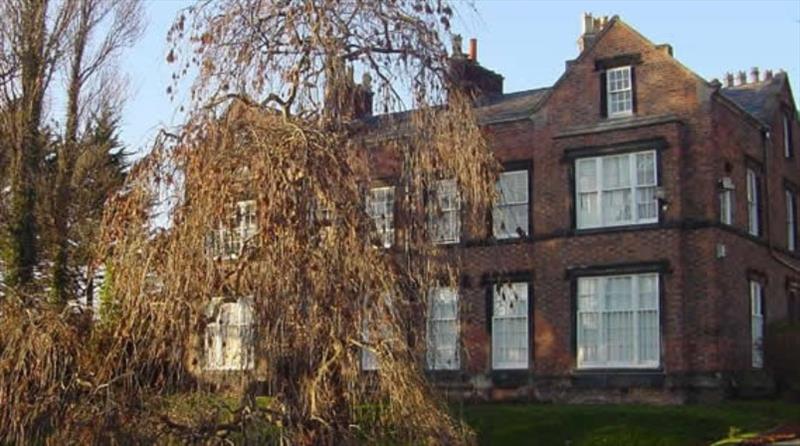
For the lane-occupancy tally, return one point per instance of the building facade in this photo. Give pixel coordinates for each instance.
(644, 240)
(645, 237)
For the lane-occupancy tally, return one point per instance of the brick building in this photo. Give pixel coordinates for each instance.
(645, 238)
(646, 235)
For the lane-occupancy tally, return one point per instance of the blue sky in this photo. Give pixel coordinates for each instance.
(528, 43)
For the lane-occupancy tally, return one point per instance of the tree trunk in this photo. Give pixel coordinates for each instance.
(22, 255)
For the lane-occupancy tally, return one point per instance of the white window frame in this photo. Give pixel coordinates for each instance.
(753, 204)
(231, 236)
(616, 78)
(601, 313)
(791, 220)
(503, 210)
(787, 142)
(757, 324)
(219, 352)
(601, 217)
(369, 359)
(501, 295)
(380, 207)
(726, 206)
(446, 210)
(443, 330)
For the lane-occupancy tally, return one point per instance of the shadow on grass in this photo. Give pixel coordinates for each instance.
(612, 425)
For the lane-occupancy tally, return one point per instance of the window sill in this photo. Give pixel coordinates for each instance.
(620, 228)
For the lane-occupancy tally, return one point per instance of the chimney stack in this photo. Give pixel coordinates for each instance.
(457, 46)
(473, 49)
(728, 80)
(590, 28)
(768, 75)
(754, 75)
(742, 78)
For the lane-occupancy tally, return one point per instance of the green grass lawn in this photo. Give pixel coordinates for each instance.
(621, 425)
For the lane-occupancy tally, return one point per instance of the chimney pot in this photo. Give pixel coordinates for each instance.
(473, 49)
(742, 78)
(716, 83)
(457, 45)
(754, 74)
(728, 80)
(768, 75)
(587, 23)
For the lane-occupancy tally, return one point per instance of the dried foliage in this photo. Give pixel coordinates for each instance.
(273, 122)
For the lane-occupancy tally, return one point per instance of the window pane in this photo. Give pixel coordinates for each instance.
(443, 329)
(510, 326)
(646, 169)
(617, 206)
(587, 175)
(616, 172)
(646, 203)
(511, 210)
(380, 207)
(618, 321)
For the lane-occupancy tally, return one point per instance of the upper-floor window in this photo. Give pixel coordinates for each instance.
(618, 322)
(753, 203)
(619, 91)
(616, 190)
(757, 323)
(510, 326)
(510, 213)
(229, 336)
(444, 224)
(788, 149)
(726, 201)
(791, 220)
(443, 329)
(380, 207)
(240, 227)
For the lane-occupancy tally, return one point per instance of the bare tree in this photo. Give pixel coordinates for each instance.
(32, 36)
(275, 138)
(117, 24)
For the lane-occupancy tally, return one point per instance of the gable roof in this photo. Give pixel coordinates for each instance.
(758, 99)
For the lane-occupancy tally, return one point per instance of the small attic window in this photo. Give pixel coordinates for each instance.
(619, 91)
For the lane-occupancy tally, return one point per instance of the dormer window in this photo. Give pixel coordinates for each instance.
(619, 91)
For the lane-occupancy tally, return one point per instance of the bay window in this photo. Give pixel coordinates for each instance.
(510, 213)
(618, 321)
(616, 190)
(443, 329)
(445, 220)
(510, 326)
(380, 207)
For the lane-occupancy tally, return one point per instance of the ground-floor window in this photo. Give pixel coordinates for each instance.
(618, 321)
(229, 336)
(510, 349)
(443, 329)
(757, 323)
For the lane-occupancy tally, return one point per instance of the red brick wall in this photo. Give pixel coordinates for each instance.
(705, 315)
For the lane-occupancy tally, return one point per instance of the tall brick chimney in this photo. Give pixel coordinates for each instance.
(590, 28)
(729, 80)
(466, 74)
(742, 78)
